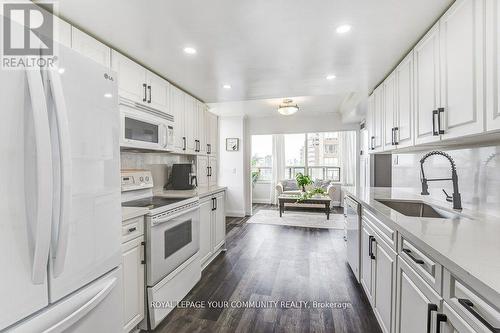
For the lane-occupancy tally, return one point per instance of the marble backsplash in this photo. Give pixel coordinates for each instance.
(159, 164)
(478, 176)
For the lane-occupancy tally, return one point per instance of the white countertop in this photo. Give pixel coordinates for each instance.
(201, 191)
(132, 212)
(467, 245)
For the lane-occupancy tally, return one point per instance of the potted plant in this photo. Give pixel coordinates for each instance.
(303, 181)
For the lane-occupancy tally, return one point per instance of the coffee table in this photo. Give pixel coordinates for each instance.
(319, 200)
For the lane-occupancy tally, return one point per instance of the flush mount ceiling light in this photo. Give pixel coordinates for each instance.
(287, 107)
(342, 29)
(189, 50)
(330, 77)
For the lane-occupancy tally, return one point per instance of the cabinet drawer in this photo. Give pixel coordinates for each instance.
(454, 323)
(480, 312)
(132, 228)
(428, 269)
(388, 234)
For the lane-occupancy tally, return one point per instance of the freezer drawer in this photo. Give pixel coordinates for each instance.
(95, 308)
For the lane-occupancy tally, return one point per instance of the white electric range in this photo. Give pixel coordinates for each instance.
(172, 229)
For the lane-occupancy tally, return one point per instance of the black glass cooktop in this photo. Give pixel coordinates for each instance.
(152, 203)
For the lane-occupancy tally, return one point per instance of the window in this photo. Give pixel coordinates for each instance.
(262, 158)
(323, 156)
(295, 152)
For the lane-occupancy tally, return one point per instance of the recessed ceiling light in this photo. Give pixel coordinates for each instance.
(330, 77)
(189, 50)
(342, 29)
(61, 70)
(226, 86)
(108, 95)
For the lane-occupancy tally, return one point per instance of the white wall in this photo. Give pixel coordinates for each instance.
(232, 171)
(298, 123)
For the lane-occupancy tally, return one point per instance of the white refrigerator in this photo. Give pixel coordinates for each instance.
(60, 212)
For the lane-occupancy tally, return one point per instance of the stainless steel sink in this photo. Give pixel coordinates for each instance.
(416, 209)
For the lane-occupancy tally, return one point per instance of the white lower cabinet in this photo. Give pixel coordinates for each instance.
(417, 304)
(454, 323)
(206, 247)
(385, 275)
(212, 227)
(378, 274)
(133, 283)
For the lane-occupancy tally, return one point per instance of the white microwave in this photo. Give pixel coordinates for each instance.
(144, 128)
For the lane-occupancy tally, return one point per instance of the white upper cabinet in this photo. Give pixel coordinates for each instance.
(202, 127)
(131, 78)
(389, 112)
(378, 120)
(62, 32)
(492, 65)
(212, 133)
(157, 91)
(190, 125)
(427, 92)
(90, 47)
(462, 67)
(404, 103)
(177, 110)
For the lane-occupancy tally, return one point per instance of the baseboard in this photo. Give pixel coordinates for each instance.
(238, 213)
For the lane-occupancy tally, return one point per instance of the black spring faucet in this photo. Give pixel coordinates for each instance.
(455, 197)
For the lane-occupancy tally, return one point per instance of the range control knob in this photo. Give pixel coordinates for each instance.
(147, 178)
(141, 179)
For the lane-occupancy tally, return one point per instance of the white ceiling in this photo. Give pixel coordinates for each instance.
(263, 48)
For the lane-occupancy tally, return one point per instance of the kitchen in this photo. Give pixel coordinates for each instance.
(127, 201)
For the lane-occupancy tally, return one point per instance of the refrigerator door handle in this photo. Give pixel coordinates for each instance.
(42, 226)
(62, 221)
(69, 312)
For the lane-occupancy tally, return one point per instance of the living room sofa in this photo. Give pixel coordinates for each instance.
(334, 190)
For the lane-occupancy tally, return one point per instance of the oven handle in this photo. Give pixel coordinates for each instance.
(171, 217)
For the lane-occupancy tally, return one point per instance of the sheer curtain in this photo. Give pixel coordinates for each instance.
(348, 157)
(278, 164)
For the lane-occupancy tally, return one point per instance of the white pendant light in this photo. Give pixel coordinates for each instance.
(288, 108)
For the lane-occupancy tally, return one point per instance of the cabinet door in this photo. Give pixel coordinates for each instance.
(493, 65)
(202, 126)
(220, 221)
(378, 119)
(462, 50)
(90, 47)
(212, 180)
(206, 246)
(177, 110)
(370, 122)
(389, 111)
(427, 95)
(214, 134)
(131, 78)
(404, 102)
(133, 283)
(202, 170)
(385, 276)
(190, 123)
(416, 302)
(158, 92)
(366, 262)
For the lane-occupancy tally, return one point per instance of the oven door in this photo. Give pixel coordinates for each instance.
(170, 242)
(141, 130)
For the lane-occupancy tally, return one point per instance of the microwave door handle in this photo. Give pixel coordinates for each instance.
(63, 222)
(44, 192)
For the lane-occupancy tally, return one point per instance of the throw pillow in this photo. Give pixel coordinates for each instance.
(321, 183)
(289, 185)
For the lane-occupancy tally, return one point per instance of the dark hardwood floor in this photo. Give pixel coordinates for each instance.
(277, 263)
